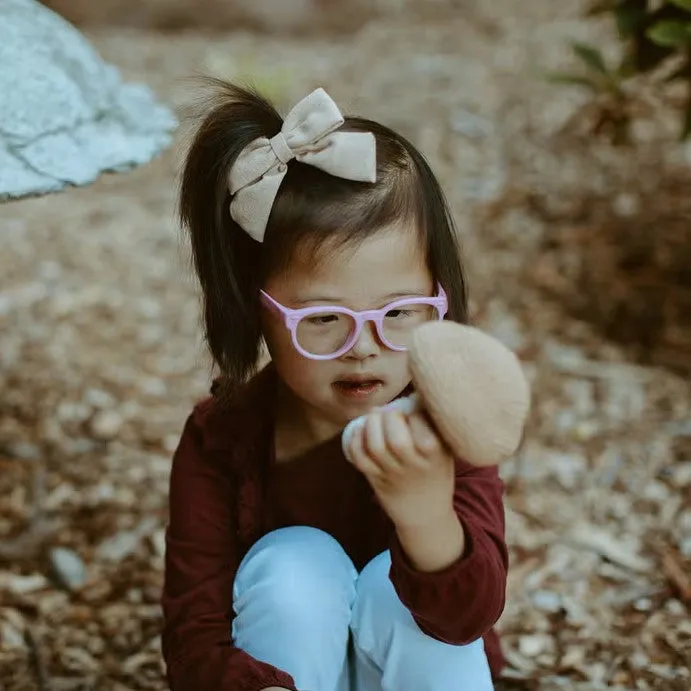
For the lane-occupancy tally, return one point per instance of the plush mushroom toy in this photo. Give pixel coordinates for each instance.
(471, 386)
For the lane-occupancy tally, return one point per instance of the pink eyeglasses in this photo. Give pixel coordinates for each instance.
(325, 332)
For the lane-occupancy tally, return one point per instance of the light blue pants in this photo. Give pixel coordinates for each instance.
(298, 598)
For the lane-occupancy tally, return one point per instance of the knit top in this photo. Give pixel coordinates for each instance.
(227, 491)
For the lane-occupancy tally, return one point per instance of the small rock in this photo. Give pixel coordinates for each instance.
(68, 568)
(639, 660)
(568, 468)
(99, 399)
(158, 540)
(69, 411)
(10, 637)
(106, 425)
(151, 335)
(586, 430)
(49, 271)
(625, 400)
(130, 410)
(505, 327)
(135, 596)
(25, 451)
(154, 387)
(532, 646)
(547, 601)
(626, 205)
(21, 585)
(563, 357)
(675, 607)
(643, 604)
(149, 308)
(124, 543)
(171, 442)
(79, 445)
(79, 660)
(656, 491)
(680, 474)
(685, 547)
(471, 125)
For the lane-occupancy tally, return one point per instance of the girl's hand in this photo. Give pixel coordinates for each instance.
(407, 465)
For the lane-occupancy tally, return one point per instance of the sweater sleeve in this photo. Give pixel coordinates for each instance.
(464, 601)
(200, 565)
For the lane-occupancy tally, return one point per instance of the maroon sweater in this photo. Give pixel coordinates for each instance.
(226, 492)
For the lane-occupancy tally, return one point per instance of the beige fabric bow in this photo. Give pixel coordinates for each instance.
(308, 135)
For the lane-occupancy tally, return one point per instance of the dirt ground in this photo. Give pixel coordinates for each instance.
(101, 359)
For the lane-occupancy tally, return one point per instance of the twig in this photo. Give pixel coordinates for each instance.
(29, 544)
(676, 574)
(38, 661)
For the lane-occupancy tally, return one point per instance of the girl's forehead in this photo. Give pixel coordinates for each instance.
(389, 262)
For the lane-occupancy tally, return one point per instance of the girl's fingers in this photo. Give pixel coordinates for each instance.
(390, 441)
(375, 441)
(399, 439)
(424, 436)
(359, 456)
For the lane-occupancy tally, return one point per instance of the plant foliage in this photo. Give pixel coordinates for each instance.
(653, 33)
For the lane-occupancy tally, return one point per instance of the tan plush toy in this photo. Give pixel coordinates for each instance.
(472, 387)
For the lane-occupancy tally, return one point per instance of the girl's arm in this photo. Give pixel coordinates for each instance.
(463, 601)
(200, 565)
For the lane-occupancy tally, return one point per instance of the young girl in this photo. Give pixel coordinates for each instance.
(289, 566)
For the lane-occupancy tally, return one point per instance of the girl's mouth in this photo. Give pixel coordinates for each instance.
(357, 389)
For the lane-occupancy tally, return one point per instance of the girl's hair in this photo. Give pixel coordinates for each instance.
(313, 212)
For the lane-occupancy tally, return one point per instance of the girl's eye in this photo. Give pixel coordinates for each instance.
(322, 319)
(399, 313)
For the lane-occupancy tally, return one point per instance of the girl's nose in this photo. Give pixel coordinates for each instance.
(367, 343)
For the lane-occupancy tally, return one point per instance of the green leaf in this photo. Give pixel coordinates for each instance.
(574, 80)
(684, 4)
(670, 33)
(591, 56)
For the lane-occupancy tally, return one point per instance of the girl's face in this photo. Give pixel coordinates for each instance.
(385, 267)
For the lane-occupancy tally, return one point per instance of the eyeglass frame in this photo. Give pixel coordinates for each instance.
(292, 317)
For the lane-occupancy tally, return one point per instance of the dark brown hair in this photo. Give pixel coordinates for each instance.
(313, 211)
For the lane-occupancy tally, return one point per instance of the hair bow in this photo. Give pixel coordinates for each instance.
(308, 135)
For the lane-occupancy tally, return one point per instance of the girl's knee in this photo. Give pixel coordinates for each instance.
(294, 556)
(297, 575)
(292, 597)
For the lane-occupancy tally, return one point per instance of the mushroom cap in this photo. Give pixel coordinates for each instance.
(473, 388)
(65, 115)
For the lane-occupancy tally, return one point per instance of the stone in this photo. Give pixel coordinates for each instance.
(124, 543)
(106, 425)
(68, 568)
(547, 601)
(534, 645)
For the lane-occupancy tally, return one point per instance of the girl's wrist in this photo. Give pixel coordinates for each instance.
(433, 545)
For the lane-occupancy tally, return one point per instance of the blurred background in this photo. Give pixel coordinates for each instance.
(558, 130)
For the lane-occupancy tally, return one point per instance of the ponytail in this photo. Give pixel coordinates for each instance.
(227, 261)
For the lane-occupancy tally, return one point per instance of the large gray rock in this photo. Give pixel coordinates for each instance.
(65, 115)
